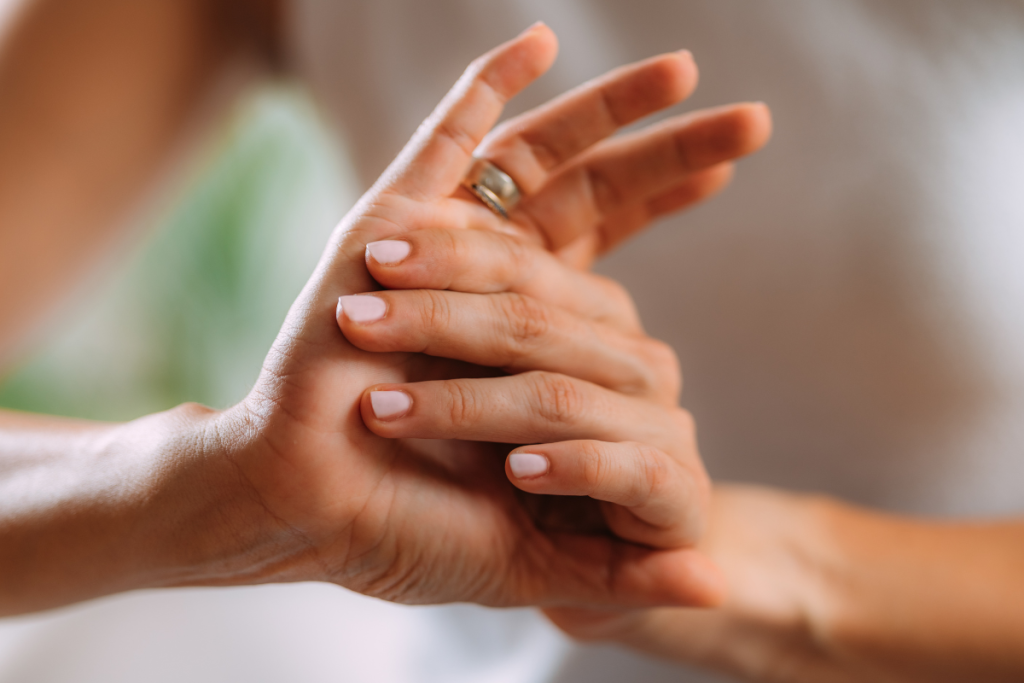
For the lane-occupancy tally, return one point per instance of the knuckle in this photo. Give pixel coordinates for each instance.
(459, 136)
(602, 190)
(618, 307)
(614, 290)
(463, 408)
(652, 473)
(526, 323)
(451, 251)
(685, 425)
(594, 466)
(663, 362)
(435, 312)
(559, 399)
(518, 259)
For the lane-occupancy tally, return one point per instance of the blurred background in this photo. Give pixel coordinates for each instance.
(190, 313)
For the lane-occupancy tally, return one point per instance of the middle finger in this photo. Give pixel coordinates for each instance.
(485, 261)
(509, 331)
(530, 145)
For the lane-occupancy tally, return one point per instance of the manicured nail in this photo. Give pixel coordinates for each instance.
(389, 404)
(388, 252)
(525, 465)
(361, 308)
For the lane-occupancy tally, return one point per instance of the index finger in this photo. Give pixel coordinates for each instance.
(437, 157)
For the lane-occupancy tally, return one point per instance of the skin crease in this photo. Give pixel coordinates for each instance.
(819, 590)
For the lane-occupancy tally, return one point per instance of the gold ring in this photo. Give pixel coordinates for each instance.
(492, 186)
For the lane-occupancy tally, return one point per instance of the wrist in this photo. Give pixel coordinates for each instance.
(203, 522)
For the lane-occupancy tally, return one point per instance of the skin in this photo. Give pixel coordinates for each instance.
(818, 590)
(826, 592)
(300, 481)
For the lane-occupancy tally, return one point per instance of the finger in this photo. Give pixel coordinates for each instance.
(697, 187)
(509, 331)
(437, 157)
(529, 146)
(527, 408)
(637, 168)
(580, 570)
(484, 261)
(655, 500)
(579, 254)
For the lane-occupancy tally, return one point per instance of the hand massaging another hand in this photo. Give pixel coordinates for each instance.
(303, 481)
(514, 306)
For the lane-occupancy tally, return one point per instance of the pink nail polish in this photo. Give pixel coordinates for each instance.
(526, 465)
(389, 404)
(388, 252)
(362, 308)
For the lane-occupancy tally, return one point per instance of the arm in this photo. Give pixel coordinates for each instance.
(824, 591)
(88, 508)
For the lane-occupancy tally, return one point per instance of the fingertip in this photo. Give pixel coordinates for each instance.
(385, 405)
(527, 466)
(761, 124)
(387, 252)
(674, 76)
(716, 178)
(688, 75)
(360, 308)
(742, 129)
(545, 34)
(535, 50)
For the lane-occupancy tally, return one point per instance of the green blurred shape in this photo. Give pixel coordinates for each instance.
(190, 314)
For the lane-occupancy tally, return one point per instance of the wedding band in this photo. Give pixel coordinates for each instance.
(492, 186)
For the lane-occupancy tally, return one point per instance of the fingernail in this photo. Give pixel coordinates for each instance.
(361, 308)
(389, 404)
(388, 252)
(525, 465)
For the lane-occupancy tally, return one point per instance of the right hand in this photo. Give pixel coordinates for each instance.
(321, 497)
(621, 455)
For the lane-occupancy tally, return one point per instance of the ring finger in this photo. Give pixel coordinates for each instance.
(532, 407)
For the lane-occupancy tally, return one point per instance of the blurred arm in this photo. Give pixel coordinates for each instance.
(93, 97)
(827, 592)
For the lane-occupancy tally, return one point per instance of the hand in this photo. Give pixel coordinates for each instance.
(632, 447)
(324, 498)
(763, 630)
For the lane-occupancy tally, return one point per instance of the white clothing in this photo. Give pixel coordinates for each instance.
(847, 313)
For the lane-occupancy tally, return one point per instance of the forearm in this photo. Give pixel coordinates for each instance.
(915, 600)
(826, 592)
(89, 509)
